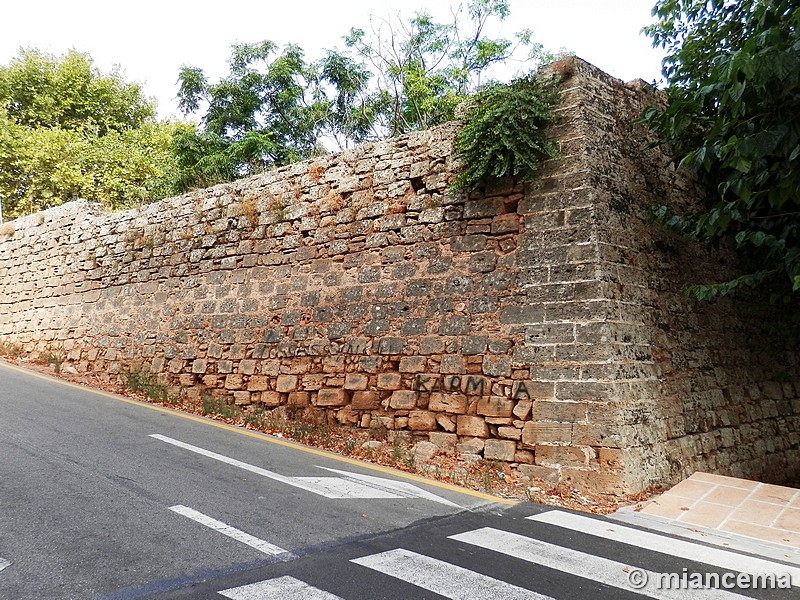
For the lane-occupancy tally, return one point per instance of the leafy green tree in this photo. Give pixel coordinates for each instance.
(425, 69)
(263, 113)
(274, 107)
(733, 116)
(40, 90)
(67, 130)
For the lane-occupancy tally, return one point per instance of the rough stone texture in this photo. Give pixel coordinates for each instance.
(543, 326)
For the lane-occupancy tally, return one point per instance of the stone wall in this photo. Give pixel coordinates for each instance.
(542, 326)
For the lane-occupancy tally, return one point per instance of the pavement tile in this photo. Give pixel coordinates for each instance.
(724, 480)
(775, 494)
(727, 495)
(705, 514)
(789, 519)
(689, 488)
(758, 513)
(769, 534)
(667, 506)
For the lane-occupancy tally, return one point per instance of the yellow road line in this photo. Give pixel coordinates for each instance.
(263, 436)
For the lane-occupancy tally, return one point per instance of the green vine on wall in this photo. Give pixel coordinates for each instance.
(505, 132)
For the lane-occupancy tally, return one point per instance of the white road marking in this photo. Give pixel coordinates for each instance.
(588, 566)
(439, 577)
(353, 485)
(280, 588)
(4, 563)
(723, 559)
(231, 532)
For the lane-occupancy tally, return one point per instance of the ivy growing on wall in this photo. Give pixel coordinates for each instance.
(504, 133)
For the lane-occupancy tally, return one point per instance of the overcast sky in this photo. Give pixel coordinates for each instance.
(152, 39)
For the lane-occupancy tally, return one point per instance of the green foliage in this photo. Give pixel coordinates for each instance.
(218, 406)
(262, 114)
(40, 90)
(504, 134)
(274, 107)
(425, 69)
(733, 117)
(142, 381)
(68, 131)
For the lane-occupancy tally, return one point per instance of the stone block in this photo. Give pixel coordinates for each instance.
(421, 420)
(403, 400)
(551, 475)
(247, 367)
(495, 406)
(449, 403)
(299, 398)
(522, 409)
(535, 433)
(532, 390)
(332, 397)
(446, 422)
(563, 455)
(271, 398)
(389, 381)
(509, 433)
(391, 345)
(412, 364)
(497, 366)
(366, 400)
(499, 450)
(233, 381)
(470, 426)
(241, 398)
(286, 383)
(355, 381)
(424, 451)
(446, 442)
(524, 457)
(199, 365)
(470, 446)
(258, 383)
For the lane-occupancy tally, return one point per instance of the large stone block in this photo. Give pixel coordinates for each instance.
(449, 403)
(470, 426)
(332, 397)
(495, 406)
(499, 450)
(403, 400)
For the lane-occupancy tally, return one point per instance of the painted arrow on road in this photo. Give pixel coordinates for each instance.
(4, 563)
(347, 485)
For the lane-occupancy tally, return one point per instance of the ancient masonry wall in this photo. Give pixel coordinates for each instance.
(542, 326)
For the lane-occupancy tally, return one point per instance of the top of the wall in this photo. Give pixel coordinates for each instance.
(573, 71)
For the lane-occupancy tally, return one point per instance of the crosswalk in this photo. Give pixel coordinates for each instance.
(631, 578)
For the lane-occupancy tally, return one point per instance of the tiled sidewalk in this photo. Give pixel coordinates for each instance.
(761, 511)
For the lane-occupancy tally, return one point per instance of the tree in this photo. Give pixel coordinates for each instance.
(265, 112)
(733, 117)
(275, 107)
(67, 130)
(425, 69)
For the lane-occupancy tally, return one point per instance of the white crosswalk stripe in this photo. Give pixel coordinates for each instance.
(716, 557)
(458, 583)
(280, 588)
(603, 570)
(443, 578)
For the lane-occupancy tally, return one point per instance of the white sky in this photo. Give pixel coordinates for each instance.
(151, 39)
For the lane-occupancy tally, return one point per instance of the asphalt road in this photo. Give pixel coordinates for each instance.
(106, 498)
